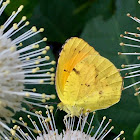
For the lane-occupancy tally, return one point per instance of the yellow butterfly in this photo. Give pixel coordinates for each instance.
(85, 81)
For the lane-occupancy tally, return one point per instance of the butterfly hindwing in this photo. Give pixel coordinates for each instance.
(89, 88)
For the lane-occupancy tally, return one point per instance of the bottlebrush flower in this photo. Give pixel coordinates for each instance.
(46, 128)
(21, 66)
(132, 69)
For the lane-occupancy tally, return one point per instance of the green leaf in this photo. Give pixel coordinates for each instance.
(60, 20)
(64, 19)
(104, 36)
(94, 8)
(29, 6)
(137, 133)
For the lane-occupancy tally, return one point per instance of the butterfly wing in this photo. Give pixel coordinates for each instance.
(74, 50)
(93, 84)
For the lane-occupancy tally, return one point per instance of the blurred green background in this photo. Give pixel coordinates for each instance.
(99, 22)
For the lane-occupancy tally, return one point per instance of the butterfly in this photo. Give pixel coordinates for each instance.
(85, 81)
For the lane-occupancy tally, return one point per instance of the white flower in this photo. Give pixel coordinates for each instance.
(20, 66)
(133, 69)
(75, 129)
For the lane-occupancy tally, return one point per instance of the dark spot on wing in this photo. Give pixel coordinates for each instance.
(76, 71)
(87, 85)
(66, 70)
(100, 92)
(96, 76)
